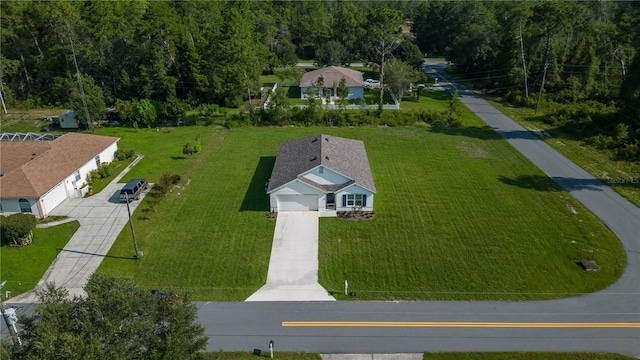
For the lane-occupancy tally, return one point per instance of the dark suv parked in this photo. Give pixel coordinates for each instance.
(133, 189)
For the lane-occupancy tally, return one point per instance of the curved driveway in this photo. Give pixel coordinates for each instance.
(244, 326)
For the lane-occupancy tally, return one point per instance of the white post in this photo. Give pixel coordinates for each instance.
(271, 348)
(346, 287)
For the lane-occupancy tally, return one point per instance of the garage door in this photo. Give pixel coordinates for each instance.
(297, 202)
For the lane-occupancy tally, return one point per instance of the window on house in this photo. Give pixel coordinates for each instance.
(354, 200)
(77, 175)
(97, 160)
(25, 205)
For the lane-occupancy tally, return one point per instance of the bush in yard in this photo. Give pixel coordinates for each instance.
(15, 230)
(166, 180)
(105, 170)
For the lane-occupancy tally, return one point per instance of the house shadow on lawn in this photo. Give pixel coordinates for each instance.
(544, 183)
(256, 199)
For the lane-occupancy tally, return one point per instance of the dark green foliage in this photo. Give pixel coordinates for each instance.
(116, 320)
(332, 53)
(15, 230)
(105, 170)
(122, 154)
(165, 182)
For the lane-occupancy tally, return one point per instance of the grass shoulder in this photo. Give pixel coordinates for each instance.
(621, 176)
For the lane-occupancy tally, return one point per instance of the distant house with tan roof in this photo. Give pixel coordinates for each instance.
(331, 77)
(36, 176)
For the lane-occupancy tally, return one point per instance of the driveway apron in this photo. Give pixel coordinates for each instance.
(293, 266)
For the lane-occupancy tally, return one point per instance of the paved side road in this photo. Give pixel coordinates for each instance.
(616, 212)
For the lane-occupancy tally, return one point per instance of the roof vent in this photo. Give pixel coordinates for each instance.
(314, 158)
(326, 157)
(326, 139)
(34, 154)
(314, 140)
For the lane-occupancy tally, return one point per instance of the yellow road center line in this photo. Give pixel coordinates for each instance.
(460, 324)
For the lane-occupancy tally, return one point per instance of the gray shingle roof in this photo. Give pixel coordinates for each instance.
(345, 156)
(333, 75)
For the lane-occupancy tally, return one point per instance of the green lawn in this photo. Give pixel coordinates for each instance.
(599, 163)
(23, 267)
(460, 216)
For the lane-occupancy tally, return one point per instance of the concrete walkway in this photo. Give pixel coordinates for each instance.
(102, 217)
(293, 266)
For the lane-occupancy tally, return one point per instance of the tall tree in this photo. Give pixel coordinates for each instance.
(383, 39)
(116, 320)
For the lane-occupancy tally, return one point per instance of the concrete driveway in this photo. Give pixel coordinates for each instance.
(293, 266)
(102, 217)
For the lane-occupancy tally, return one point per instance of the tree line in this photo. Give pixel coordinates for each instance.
(156, 58)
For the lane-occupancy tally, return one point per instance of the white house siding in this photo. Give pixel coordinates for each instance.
(297, 202)
(295, 187)
(106, 156)
(327, 177)
(354, 189)
(54, 197)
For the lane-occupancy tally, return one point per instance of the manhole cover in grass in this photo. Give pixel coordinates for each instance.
(589, 265)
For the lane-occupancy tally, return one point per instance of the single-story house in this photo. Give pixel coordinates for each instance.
(331, 76)
(36, 176)
(68, 120)
(321, 173)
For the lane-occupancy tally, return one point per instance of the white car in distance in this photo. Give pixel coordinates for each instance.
(372, 84)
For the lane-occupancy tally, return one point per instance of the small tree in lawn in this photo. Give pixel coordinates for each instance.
(342, 92)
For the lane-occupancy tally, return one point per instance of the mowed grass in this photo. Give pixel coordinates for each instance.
(460, 215)
(23, 267)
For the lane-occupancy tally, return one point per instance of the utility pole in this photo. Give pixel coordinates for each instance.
(137, 253)
(544, 74)
(10, 318)
(524, 65)
(84, 98)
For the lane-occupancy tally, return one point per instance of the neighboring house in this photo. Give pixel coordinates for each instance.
(36, 176)
(332, 76)
(323, 173)
(68, 120)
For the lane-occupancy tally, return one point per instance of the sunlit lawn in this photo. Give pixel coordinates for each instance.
(23, 267)
(459, 215)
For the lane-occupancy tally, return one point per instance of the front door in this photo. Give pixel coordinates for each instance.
(331, 201)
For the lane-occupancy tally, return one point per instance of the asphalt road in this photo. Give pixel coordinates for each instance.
(248, 326)
(244, 326)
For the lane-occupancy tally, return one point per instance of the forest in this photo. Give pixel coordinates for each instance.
(159, 58)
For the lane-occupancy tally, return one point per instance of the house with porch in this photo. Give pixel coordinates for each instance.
(321, 173)
(331, 77)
